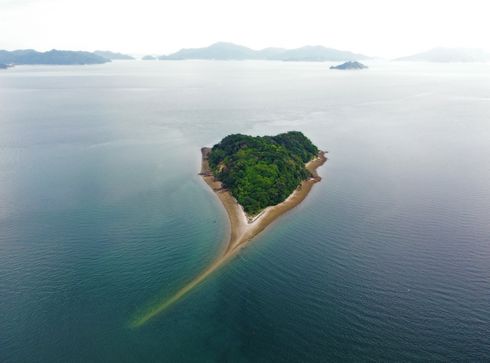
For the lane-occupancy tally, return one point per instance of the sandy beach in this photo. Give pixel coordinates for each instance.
(243, 228)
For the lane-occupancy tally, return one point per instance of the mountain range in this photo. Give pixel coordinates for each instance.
(449, 55)
(230, 51)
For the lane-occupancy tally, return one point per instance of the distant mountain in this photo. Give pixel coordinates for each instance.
(113, 55)
(221, 51)
(449, 55)
(349, 66)
(318, 54)
(149, 57)
(53, 57)
(230, 51)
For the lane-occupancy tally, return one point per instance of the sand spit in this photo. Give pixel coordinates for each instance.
(242, 227)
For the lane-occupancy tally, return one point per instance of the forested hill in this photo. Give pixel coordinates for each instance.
(230, 51)
(262, 171)
(52, 57)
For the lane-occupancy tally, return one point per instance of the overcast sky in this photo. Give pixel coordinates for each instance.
(387, 28)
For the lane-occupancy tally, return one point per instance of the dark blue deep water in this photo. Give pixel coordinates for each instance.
(102, 214)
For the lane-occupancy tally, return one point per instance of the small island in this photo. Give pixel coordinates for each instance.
(257, 179)
(349, 66)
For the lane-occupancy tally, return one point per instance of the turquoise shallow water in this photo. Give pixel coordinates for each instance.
(102, 214)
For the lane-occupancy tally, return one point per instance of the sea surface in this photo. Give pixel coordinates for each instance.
(103, 215)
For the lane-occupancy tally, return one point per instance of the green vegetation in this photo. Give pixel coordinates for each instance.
(262, 171)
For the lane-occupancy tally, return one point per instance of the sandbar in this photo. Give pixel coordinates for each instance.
(243, 228)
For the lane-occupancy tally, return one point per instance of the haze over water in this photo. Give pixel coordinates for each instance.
(102, 214)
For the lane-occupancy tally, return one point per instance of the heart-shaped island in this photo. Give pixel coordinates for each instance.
(257, 179)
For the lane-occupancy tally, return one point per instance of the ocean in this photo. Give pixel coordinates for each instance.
(103, 215)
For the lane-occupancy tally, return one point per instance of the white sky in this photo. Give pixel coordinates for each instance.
(373, 27)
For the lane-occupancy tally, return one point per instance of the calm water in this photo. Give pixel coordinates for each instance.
(102, 214)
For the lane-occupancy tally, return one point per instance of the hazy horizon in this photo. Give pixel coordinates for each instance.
(149, 27)
(371, 57)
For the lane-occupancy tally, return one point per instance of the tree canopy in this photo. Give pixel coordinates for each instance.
(262, 171)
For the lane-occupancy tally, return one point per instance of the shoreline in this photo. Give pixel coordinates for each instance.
(242, 228)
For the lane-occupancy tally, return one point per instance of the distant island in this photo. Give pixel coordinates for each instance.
(5, 66)
(349, 66)
(230, 51)
(446, 55)
(113, 55)
(257, 179)
(149, 58)
(52, 57)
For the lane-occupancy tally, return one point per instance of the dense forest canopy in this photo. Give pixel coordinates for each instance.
(263, 170)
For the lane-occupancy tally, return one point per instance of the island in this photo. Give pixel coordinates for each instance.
(349, 66)
(5, 66)
(261, 171)
(52, 57)
(149, 58)
(231, 51)
(256, 179)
